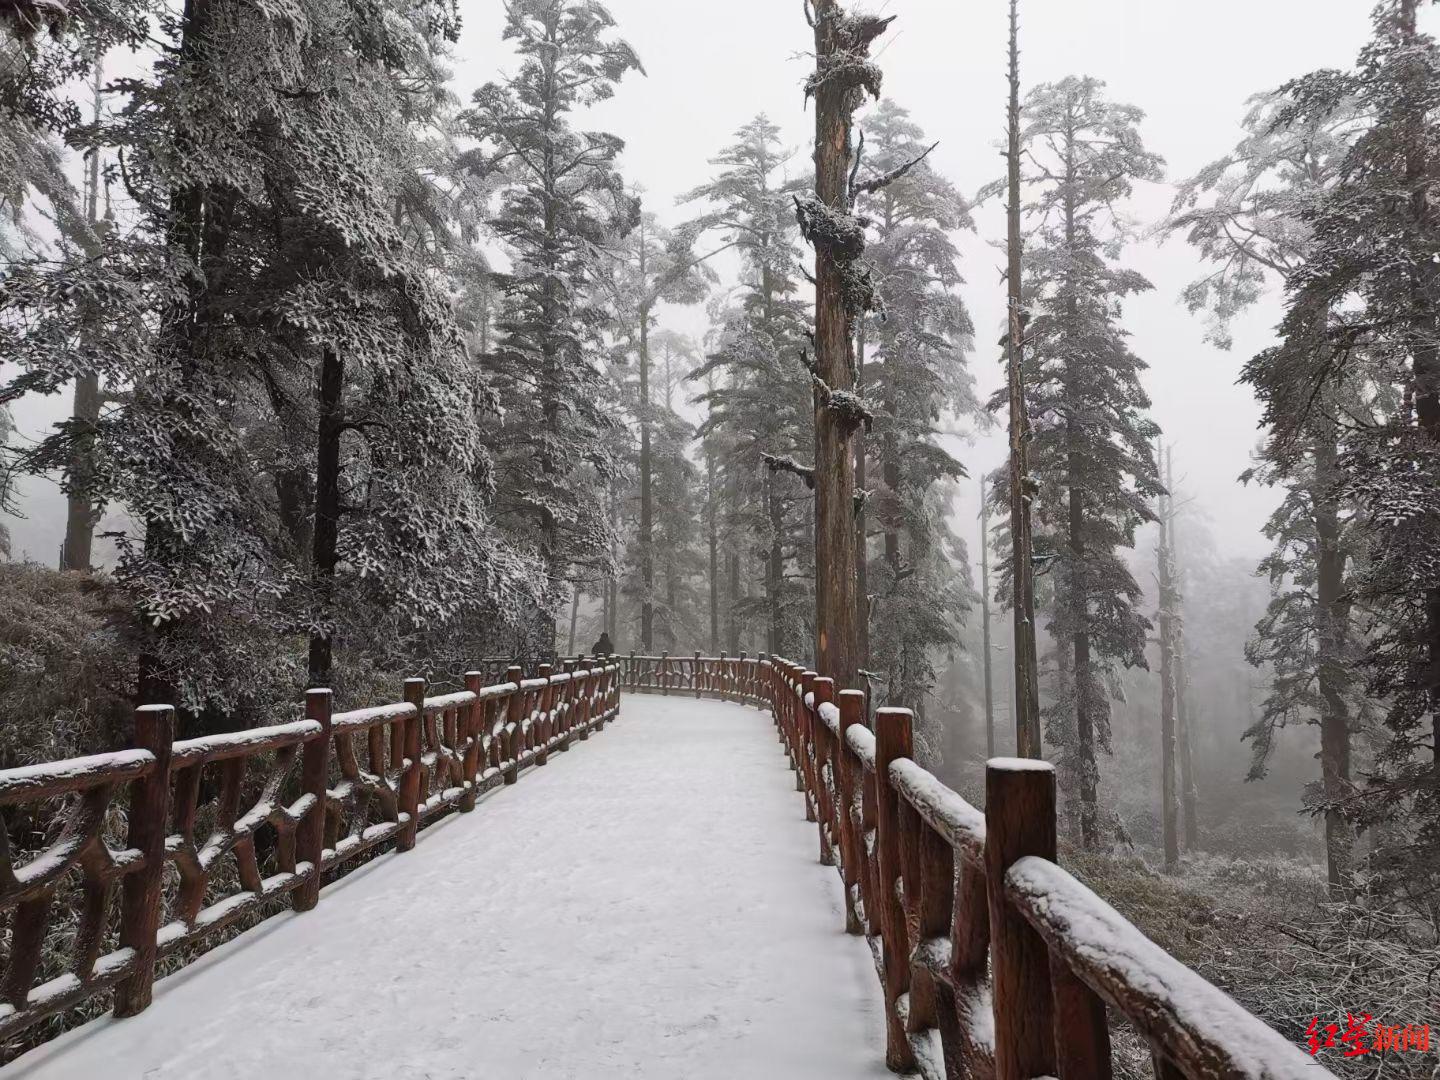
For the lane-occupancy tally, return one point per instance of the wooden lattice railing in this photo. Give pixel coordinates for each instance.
(200, 833)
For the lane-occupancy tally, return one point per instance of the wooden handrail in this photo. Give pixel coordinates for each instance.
(983, 944)
(325, 790)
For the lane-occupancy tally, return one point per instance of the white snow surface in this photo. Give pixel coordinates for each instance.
(647, 905)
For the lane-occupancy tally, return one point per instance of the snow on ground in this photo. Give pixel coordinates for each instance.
(649, 904)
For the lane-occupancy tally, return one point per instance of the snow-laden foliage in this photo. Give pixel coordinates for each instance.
(759, 401)
(1363, 316)
(1091, 456)
(270, 301)
(1247, 215)
(559, 203)
(915, 378)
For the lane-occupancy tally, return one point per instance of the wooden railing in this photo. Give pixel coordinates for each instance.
(200, 833)
(994, 961)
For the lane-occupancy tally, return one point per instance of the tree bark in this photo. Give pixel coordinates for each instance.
(1189, 796)
(1167, 691)
(837, 42)
(646, 538)
(1333, 608)
(862, 540)
(81, 513)
(774, 569)
(714, 537)
(1027, 679)
(985, 620)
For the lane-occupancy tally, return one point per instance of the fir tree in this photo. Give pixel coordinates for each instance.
(1246, 214)
(560, 202)
(1364, 308)
(1091, 455)
(915, 376)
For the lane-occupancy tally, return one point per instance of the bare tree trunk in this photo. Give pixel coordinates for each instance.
(81, 513)
(1027, 679)
(574, 618)
(862, 540)
(1189, 796)
(1168, 806)
(1334, 610)
(841, 46)
(732, 567)
(774, 571)
(646, 537)
(710, 512)
(324, 556)
(985, 620)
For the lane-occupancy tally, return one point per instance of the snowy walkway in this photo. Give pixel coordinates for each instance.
(647, 905)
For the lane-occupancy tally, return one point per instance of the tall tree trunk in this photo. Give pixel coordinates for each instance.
(1087, 771)
(732, 565)
(324, 555)
(1168, 805)
(1027, 679)
(1087, 687)
(711, 499)
(184, 235)
(774, 570)
(646, 538)
(1189, 796)
(862, 540)
(1425, 366)
(839, 42)
(985, 620)
(1331, 662)
(81, 513)
(574, 619)
(890, 524)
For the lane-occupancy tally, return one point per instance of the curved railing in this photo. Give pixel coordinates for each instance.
(994, 961)
(199, 833)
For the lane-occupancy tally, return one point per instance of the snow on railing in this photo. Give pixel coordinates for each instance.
(218, 828)
(993, 960)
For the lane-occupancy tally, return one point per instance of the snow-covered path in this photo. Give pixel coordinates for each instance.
(648, 905)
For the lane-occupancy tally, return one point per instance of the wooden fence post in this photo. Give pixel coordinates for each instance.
(410, 781)
(893, 740)
(514, 707)
(141, 900)
(1019, 821)
(852, 708)
(473, 730)
(804, 744)
(824, 695)
(547, 714)
(314, 778)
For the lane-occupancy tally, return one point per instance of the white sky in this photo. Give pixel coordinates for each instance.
(711, 67)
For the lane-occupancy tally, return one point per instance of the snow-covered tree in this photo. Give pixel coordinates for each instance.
(1365, 307)
(560, 202)
(1246, 214)
(760, 403)
(914, 375)
(1091, 457)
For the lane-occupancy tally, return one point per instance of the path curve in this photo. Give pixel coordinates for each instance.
(648, 905)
